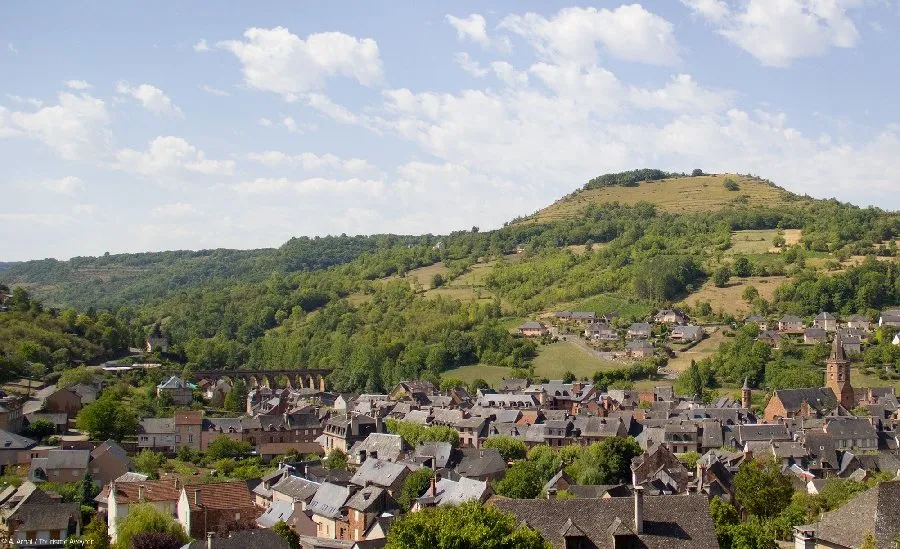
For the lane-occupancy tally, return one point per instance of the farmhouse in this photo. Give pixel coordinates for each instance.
(684, 334)
(791, 324)
(533, 329)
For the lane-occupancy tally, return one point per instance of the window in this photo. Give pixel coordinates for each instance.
(237, 516)
(55, 473)
(190, 438)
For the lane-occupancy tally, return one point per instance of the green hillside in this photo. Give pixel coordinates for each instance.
(368, 308)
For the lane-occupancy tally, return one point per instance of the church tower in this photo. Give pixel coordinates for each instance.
(745, 395)
(837, 375)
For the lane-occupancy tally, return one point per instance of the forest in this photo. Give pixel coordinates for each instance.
(348, 302)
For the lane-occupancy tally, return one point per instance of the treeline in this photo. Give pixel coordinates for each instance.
(628, 179)
(35, 341)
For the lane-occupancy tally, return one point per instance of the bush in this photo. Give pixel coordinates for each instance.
(731, 184)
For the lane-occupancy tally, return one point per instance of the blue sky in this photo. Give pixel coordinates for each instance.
(136, 127)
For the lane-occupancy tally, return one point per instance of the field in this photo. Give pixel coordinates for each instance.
(858, 379)
(555, 359)
(606, 303)
(752, 242)
(729, 299)
(684, 194)
(491, 374)
(423, 275)
(704, 349)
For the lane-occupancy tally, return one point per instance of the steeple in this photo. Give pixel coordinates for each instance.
(837, 375)
(745, 395)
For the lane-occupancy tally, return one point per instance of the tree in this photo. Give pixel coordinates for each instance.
(282, 529)
(697, 172)
(414, 486)
(107, 418)
(76, 376)
(761, 489)
(477, 384)
(730, 184)
(149, 462)
(437, 280)
(87, 490)
(224, 447)
(336, 460)
(236, 399)
(721, 276)
(468, 525)
(144, 517)
(510, 448)
(742, 267)
(40, 429)
(95, 534)
(750, 294)
(606, 462)
(156, 540)
(568, 377)
(522, 481)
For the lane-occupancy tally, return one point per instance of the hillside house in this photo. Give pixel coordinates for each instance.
(30, 515)
(670, 316)
(343, 431)
(686, 334)
(109, 461)
(854, 433)
(14, 449)
(328, 510)
(443, 491)
(601, 332)
(65, 401)
(826, 321)
(179, 391)
(640, 348)
(851, 342)
(60, 466)
(639, 330)
(859, 322)
(583, 317)
(889, 317)
(533, 329)
(770, 338)
(790, 324)
(119, 498)
(12, 417)
(811, 336)
(759, 321)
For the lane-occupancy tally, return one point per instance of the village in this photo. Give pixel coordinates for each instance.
(337, 469)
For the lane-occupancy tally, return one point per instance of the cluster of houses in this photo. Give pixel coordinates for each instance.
(853, 332)
(637, 337)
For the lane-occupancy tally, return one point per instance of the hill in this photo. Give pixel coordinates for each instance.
(367, 307)
(705, 193)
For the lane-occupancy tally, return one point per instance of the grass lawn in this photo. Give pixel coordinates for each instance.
(683, 194)
(858, 379)
(729, 298)
(608, 303)
(491, 374)
(555, 359)
(704, 349)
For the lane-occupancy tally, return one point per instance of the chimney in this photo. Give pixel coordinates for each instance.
(639, 510)
(176, 484)
(197, 497)
(433, 486)
(209, 538)
(362, 456)
(140, 492)
(551, 493)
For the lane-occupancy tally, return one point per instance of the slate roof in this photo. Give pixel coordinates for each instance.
(851, 428)
(639, 344)
(874, 510)
(455, 492)
(68, 459)
(45, 516)
(669, 522)
(297, 488)
(762, 431)
(440, 451)
(386, 446)
(532, 326)
(173, 382)
(132, 477)
(12, 441)
(329, 499)
(278, 510)
(366, 499)
(157, 425)
(479, 462)
(821, 399)
(594, 491)
(378, 472)
(110, 447)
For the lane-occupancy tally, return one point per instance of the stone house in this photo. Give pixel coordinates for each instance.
(63, 401)
(685, 334)
(639, 330)
(60, 466)
(179, 391)
(640, 348)
(533, 329)
(790, 324)
(204, 508)
(121, 496)
(826, 321)
(108, 462)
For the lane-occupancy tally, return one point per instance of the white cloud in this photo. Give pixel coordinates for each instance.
(64, 185)
(310, 161)
(201, 45)
(214, 91)
(77, 84)
(34, 102)
(474, 28)
(682, 94)
(151, 98)
(264, 122)
(314, 185)
(777, 33)
(176, 209)
(508, 74)
(469, 65)
(76, 127)
(12, 49)
(630, 33)
(84, 209)
(330, 109)
(279, 61)
(167, 156)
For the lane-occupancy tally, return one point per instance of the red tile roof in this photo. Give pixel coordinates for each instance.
(221, 495)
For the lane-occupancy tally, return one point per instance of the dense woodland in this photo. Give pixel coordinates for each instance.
(346, 303)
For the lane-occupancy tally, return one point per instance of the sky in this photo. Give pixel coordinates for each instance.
(131, 127)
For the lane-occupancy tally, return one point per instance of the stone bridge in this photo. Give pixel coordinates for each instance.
(310, 378)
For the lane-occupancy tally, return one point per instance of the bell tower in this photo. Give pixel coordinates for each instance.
(745, 395)
(837, 375)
